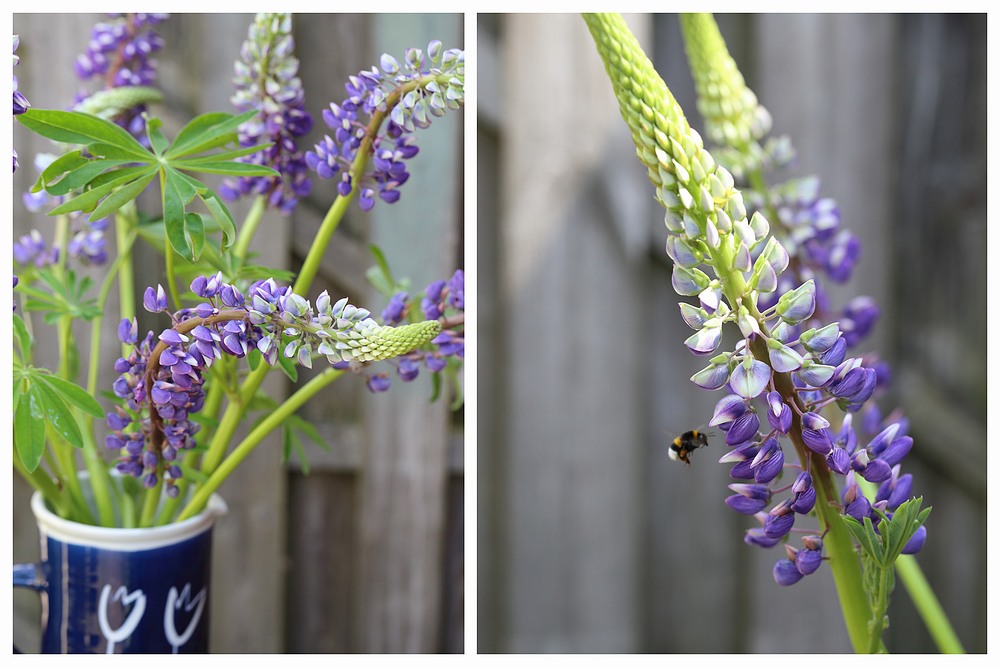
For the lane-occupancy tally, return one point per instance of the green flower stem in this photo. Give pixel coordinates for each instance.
(63, 453)
(927, 605)
(269, 423)
(100, 480)
(152, 500)
(844, 562)
(175, 297)
(249, 228)
(124, 220)
(876, 621)
(922, 595)
(61, 241)
(329, 225)
(41, 482)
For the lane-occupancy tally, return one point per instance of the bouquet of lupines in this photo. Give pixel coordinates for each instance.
(756, 262)
(183, 388)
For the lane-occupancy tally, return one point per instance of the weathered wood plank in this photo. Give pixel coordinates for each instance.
(404, 476)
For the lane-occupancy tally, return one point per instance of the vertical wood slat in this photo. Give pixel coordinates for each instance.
(566, 450)
(403, 481)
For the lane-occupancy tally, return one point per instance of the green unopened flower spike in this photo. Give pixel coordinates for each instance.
(704, 209)
(370, 341)
(731, 111)
(112, 102)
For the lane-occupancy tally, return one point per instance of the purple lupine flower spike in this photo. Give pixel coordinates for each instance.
(267, 80)
(424, 85)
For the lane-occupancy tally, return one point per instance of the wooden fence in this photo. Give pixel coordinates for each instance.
(589, 538)
(364, 553)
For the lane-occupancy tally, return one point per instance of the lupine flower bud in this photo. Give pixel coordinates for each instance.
(749, 498)
(779, 520)
(798, 304)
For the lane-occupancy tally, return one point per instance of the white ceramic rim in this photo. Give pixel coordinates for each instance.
(124, 539)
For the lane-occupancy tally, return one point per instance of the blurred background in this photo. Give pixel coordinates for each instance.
(365, 553)
(589, 538)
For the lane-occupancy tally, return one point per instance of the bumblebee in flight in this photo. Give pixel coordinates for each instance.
(684, 445)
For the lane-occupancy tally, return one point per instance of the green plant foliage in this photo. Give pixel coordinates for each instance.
(112, 168)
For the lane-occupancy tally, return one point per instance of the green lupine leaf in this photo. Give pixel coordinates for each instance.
(222, 217)
(123, 174)
(29, 431)
(192, 132)
(187, 237)
(308, 430)
(58, 415)
(225, 155)
(156, 138)
(121, 196)
(73, 393)
(202, 135)
(253, 272)
(155, 235)
(457, 386)
(22, 338)
(58, 167)
(227, 168)
(113, 152)
(262, 401)
(187, 187)
(81, 176)
(173, 216)
(74, 127)
(380, 275)
(194, 234)
(194, 475)
(254, 357)
(288, 365)
(17, 397)
(860, 534)
(88, 200)
(299, 449)
(435, 387)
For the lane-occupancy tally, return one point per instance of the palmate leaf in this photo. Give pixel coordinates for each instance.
(58, 415)
(29, 429)
(73, 393)
(23, 338)
(206, 132)
(75, 127)
(114, 169)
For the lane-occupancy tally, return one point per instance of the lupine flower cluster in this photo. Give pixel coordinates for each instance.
(120, 55)
(786, 365)
(165, 373)
(807, 224)
(21, 103)
(443, 299)
(424, 85)
(266, 80)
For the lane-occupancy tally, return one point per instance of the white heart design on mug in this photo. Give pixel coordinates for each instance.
(115, 636)
(174, 602)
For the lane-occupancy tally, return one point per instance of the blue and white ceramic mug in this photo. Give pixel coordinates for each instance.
(122, 590)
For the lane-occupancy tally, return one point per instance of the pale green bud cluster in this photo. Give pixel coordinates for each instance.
(735, 121)
(112, 102)
(705, 212)
(370, 341)
(730, 109)
(266, 74)
(343, 332)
